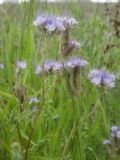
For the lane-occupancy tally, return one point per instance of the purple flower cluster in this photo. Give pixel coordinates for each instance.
(53, 24)
(115, 132)
(57, 66)
(113, 144)
(49, 67)
(38, 69)
(2, 66)
(102, 78)
(74, 62)
(33, 100)
(20, 65)
(74, 45)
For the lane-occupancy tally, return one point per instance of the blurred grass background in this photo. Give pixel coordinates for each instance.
(82, 122)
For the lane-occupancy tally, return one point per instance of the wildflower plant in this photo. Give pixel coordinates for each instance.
(104, 81)
(113, 145)
(20, 89)
(49, 101)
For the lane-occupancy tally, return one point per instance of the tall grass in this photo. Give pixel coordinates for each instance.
(64, 126)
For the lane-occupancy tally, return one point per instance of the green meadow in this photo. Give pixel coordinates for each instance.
(66, 123)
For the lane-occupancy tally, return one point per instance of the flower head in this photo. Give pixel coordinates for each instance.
(102, 78)
(69, 22)
(118, 134)
(75, 62)
(40, 20)
(57, 66)
(33, 100)
(48, 66)
(114, 129)
(113, 145)
(38, 69)
(49, 23)
(20, 65)
(74, 45)
(2, 66)
(54, 24)
(107, 142)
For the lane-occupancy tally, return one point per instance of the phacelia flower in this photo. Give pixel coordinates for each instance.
(107, 142)
(38, 69)
(21, 65)
(57, 67)
(113, 145)
(54, 24)
(75, 62)
(48, 66)
(49, 23)
(69, 22)
(39, 22)
(2, 66)
(33, 100)
(114, 129)
(102, 78)
(74, 45)
(52, 66)
(118, 134)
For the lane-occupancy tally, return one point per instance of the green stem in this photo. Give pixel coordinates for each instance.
(103, 107)
(31, 132)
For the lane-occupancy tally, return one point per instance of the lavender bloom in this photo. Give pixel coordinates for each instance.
(39, 22)
(114, 129)
(53, 24)
(107, 142)
(48, 66)
(50, 24)
(69, 22)
(57, 67)
(118, 134)
(52, 66)
(115, 132)
(59, 24)
(2, 66)
(75, 62)
(113, 146)
(33, 100)
(74, 45)
(38, 69)
(21, 65)
(72, 21)
(102, 78)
